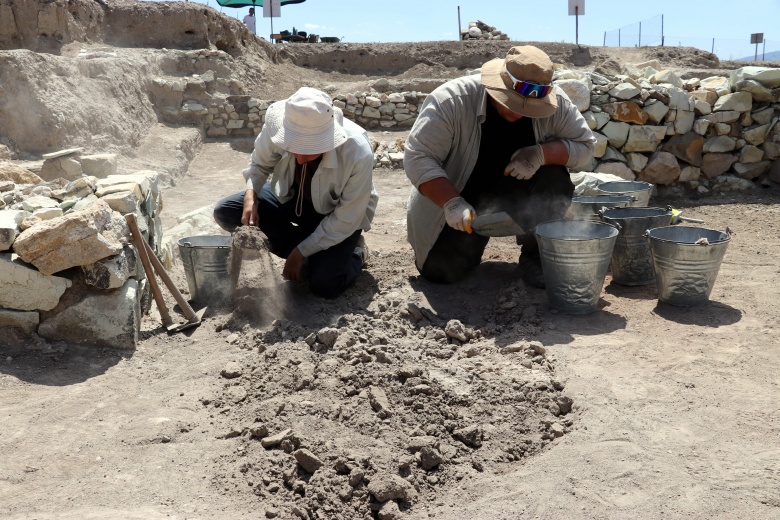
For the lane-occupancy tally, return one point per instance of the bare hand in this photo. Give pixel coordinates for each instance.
(250, 217)
(293, 267)
(525, 161)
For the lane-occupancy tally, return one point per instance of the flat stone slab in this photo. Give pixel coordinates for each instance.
(62, 153)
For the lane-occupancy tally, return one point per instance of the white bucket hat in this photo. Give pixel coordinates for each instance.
(306, 123)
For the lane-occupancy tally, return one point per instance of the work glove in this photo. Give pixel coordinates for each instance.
(459, 214)
(525, 161)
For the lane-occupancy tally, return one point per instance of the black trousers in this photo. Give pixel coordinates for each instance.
(331, 271)
(545, 196)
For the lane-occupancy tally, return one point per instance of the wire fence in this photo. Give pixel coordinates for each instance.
(650, 32)
(639, 34)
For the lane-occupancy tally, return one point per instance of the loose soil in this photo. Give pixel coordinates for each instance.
(407, 399)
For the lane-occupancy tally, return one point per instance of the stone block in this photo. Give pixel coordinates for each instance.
(714, 164)
(122, 201)
(738, 102)
(78, 238)
(26, 321)
(644, 138)
(99, 165)
(111, 272)
(616, 168)
(10, 220)
(687, 147)
(662, 168)
(26, 289)
(626, 111)
(109, 319)
(17, 174)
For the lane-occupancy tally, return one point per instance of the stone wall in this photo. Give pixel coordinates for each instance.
(650, 124)
(655, 127)
(68, 269)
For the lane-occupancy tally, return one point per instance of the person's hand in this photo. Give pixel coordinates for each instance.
(293, 266)
(250, 217)
(459, 214)
(525, 161)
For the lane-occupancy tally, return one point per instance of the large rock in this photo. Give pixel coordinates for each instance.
(687, 147)
(626, 111)
(751, 171)
(26, 321)
(768, 77)
(616, 168)
(111, 272)
(714, 164)
(578, 92)
(107, 319)
(720, 144)
(644, 138)
(11, 172)
(757, 91)
(99, 165)
(655, 111)
(10, 219)
(662, 168)
(738, 102)
(616, 132)
(76, 239)
(25, 289)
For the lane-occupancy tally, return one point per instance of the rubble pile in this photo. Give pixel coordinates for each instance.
(374, 414)
(68, 271)
(482, 31)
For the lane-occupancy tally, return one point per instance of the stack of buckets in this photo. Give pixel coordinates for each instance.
(641, 244)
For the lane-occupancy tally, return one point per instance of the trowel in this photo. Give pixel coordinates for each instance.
(496, 225)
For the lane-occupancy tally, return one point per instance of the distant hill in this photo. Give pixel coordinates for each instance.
(769, 56)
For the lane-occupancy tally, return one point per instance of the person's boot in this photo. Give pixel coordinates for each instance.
(529, 265)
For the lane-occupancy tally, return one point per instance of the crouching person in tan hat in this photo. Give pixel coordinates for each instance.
(499, 141)
(320, 196)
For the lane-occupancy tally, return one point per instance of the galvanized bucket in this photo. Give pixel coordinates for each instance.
(686, 260)
(638, 189)
(632, 263)
(587, 207)
(205, 260)
(575, 257)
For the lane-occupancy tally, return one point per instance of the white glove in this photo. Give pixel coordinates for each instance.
(525, 162)
(459, 214)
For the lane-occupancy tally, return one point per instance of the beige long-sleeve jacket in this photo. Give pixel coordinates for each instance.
(444, 142)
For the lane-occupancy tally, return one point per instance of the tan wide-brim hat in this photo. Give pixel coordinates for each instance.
(525, 63)
(306, 123)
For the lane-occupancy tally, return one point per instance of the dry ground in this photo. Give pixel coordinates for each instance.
(673, 408)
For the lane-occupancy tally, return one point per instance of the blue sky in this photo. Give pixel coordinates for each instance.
(691, 23)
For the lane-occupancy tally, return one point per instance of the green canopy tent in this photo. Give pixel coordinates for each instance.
(255, 3)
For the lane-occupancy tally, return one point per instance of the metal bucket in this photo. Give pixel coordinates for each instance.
(575, 257)
(685, 271)
(588, 207)
(205, 260)
(632, 263)
(638, 189)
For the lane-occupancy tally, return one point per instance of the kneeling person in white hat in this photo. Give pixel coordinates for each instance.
(320, 196)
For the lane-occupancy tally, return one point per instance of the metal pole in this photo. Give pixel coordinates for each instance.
(755, 58)
(460, 37)
(577, 25)
(605, 39)
(763, 52)
(640, 34)
(662, 30)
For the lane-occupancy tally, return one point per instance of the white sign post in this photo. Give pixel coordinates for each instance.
(577, 8)
(272, 8)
